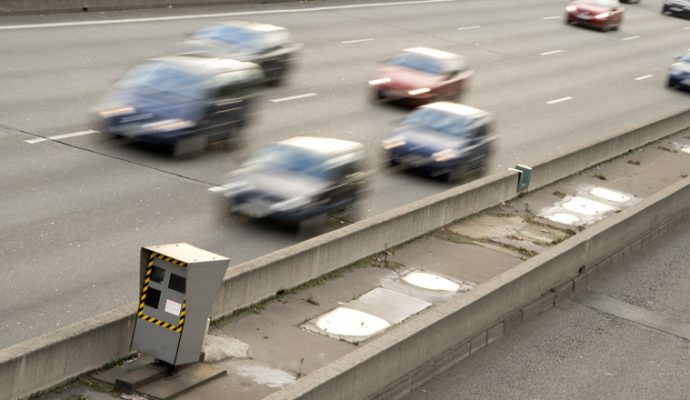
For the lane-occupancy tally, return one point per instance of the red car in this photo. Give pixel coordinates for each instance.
(421, 75)
(601, 14)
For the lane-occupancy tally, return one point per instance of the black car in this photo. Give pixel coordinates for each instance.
(443, 139)
(680, 8)
(299, 180)
(181, 102)
(679, 73)
(267, 45)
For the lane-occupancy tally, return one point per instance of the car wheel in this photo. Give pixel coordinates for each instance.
(352, 213)
(671, 83)
(190, 146)
(311, 226)
(456, 175)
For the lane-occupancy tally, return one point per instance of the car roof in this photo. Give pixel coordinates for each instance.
(254, 26)
(200, 63)
(321, 145)
(433, 53)
(457, 109)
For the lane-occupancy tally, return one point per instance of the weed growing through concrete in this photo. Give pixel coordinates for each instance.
(299, 371)
(96, 385)
(633, 162)
(78, 397)
(559, 194)
(600, 176)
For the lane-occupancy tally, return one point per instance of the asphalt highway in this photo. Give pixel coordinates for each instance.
(75, 210)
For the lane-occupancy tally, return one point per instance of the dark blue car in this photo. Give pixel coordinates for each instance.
(443, 139)
(679, 8)
(267, 45)
(679, 73)
(180, 102)
(299, 181)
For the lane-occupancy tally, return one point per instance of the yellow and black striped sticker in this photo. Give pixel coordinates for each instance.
(183, 310)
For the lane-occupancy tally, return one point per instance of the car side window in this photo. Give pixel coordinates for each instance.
(228, 91)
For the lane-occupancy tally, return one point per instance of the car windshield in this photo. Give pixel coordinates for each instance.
(243, 39)
(279, 157)
(600, 3)
(162, 79)
(417, 62)
(438, 121)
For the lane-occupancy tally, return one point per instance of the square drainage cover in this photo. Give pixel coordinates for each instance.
(585, 206)
(610, 195)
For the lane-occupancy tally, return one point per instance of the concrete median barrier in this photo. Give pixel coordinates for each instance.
(8, 7)
(46, 361)
(394, 364)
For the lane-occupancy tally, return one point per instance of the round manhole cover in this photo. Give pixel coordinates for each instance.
(430, 281)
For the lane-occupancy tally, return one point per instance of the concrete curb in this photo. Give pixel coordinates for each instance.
(410, 355)
(18, 7)
(51, 359)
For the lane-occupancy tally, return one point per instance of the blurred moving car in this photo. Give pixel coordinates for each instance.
(267, 45)
(299, 180)
(180, 102)
(679, 73)
(600, 14)
(421, 75)
(680, 8)
(444, 139)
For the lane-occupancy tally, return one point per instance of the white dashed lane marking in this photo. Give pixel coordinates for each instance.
(63, 136)
(631, 37)
(552, 17)
(548, 53)
(216, 189)
(357, 41)
(299, 96)
(639, 78)
(464, 28)
(562, 99)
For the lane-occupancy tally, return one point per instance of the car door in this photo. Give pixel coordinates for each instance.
(480, 144)
(227, 109)
(346, 179)
(456, 75)
(617, 15)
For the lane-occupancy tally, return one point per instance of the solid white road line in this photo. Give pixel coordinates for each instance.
(548, 53)
(464, 28)
(219, 15)
(64, 136)
(639, 78)
(299, 96)
(552, 17)
(562, 99)
(631, 37)
(357, 41)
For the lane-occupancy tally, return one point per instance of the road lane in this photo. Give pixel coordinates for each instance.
(74, 213)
